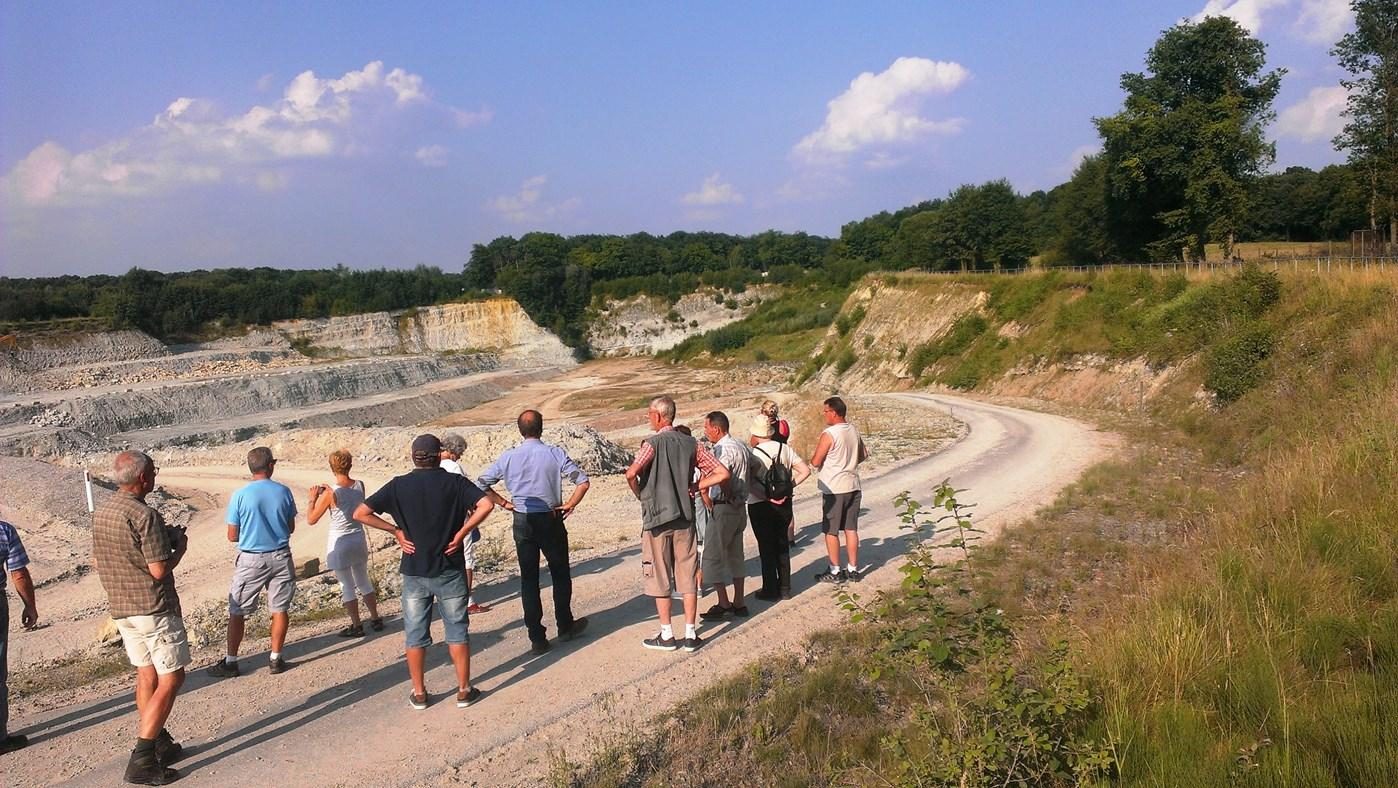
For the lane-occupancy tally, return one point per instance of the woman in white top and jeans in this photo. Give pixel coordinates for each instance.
(347, 548)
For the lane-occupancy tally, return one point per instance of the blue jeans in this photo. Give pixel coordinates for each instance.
(449, 591)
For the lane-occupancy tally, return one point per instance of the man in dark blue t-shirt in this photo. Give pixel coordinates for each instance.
(433, 513)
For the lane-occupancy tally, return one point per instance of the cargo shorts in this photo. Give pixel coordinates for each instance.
(670, 554)
(157, 640)
(254, 572)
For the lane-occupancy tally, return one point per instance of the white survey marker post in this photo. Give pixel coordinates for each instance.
(87, 483)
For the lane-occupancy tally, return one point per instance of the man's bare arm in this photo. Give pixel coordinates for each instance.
(822, 449)
(24, 586)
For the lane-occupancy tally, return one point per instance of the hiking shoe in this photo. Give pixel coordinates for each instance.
(692, 644)
(660, 644)
(376, 624)
(478, 608)
(14, 741)
(146, 769)
(278, 665)
(167, 750)
(539, 647)
(853, 575)
(716, 613)
(467, 697)
(830, 577)
(741, 611)
(352, 631)
(223, 670)
(417, 701)
(579, 624)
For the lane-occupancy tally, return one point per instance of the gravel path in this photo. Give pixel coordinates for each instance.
(341, 716)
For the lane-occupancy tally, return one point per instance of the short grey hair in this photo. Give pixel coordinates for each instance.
(130, 466)
(453, 443)
(260, 460)
(664, 407)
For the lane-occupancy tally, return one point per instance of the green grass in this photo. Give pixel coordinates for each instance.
(798, 311)
(1227, 584)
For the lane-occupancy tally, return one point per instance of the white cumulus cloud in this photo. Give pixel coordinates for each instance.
(713, 191)
(431, 156)
(883, 108)
(1324, 21)
(1316, 117)
(528, 205)
(193, 142)
(1247, 13)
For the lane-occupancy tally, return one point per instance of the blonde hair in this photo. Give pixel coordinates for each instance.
(769, 409)
(341, 461)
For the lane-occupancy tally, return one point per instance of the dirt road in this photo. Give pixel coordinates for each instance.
(341, 716)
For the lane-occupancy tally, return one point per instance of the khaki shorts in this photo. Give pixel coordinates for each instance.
(723, 546)
(157, 640)
(670, 554)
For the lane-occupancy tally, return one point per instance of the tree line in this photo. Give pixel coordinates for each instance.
(190, 304)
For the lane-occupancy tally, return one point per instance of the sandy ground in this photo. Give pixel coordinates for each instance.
(340, 717)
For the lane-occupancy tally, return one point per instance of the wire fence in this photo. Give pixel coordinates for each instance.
(1320, 265)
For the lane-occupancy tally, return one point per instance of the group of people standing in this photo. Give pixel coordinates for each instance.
(436, 512)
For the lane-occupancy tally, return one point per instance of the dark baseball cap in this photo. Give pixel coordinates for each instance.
(425, 446)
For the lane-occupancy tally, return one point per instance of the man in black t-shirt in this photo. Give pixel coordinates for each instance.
(433, 513)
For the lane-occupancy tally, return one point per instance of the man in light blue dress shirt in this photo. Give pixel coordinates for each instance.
(533, 472)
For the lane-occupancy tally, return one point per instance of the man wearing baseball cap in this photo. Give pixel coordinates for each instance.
(434, 513)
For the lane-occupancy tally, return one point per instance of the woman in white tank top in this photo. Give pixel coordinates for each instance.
(346, 548)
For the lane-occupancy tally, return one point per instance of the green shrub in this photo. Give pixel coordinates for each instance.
(844, 360)
(1234, 365)
(846, 323)
(967, 329)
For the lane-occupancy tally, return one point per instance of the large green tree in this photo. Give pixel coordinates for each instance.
(1370, 55)
(1181, 153)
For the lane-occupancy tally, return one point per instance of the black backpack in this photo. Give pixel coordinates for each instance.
(778, 480)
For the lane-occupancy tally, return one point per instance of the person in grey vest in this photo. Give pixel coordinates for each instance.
(533, 472)
(660, 477)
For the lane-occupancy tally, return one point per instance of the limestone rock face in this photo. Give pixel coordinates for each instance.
(643, 325)
(43, 352)
(498, 325)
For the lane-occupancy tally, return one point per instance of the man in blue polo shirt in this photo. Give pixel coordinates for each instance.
(261, 519)
(533, 472)
(16, 561)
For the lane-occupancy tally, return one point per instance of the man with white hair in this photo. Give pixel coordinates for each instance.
(136, 554)
(661, 478)
(453, 447)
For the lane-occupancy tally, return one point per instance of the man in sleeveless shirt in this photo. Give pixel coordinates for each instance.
(837, 456)
(661, 477)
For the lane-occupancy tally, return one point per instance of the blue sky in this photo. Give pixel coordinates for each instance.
(177, 135)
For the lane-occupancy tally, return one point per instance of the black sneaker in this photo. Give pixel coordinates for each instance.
(539, 647)
(830, 577)
(278, 665)
(768, 596)
(692, 644)
(223, 670)
(660, 644)
(146, 769)
(741, 612)
(853, 575)
(167, 750)
(464, 699)
(418, 702)
(579, 624)
(716, 613)
(14, 741)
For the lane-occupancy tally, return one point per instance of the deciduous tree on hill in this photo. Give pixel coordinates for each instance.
(1370, 55)
(1181, 153)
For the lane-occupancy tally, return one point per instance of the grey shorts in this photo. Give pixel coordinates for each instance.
(722, 559)
(840, 512)
(253, 572)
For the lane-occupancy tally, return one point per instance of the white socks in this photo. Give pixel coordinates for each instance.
(666, 633)
(276, 655)
(834, 569)
(689, 631)
(852, 568)
(230, 659)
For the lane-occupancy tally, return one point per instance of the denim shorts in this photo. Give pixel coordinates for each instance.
(449, 591)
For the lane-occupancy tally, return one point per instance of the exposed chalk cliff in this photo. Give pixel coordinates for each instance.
(498, 325)
(643, 325)
(41, 352)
